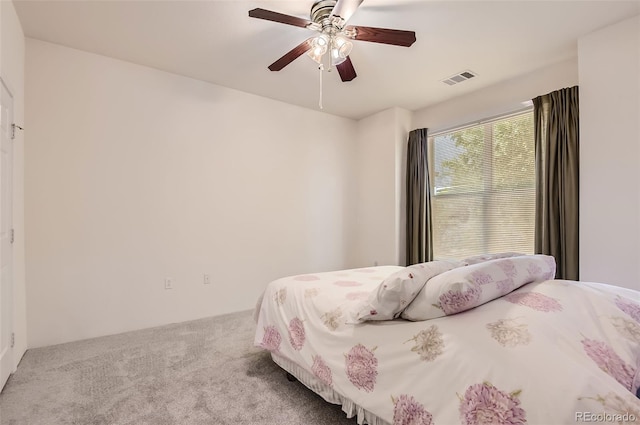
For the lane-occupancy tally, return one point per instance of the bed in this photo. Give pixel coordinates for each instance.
(487, 340)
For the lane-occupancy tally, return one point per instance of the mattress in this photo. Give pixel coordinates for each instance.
(549, 352)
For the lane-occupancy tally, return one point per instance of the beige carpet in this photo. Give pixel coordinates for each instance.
(201, 372)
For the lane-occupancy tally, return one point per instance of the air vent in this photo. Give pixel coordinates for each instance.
(458, 78)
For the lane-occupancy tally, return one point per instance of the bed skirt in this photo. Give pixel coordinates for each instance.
(363, 416)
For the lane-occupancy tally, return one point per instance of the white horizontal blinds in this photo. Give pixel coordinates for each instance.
(483, 188)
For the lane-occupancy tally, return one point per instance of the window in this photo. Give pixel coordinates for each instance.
(483, 188)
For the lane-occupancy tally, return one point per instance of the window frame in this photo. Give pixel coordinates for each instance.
(488, 188)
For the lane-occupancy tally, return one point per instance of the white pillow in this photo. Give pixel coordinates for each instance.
(390, 297)
(467, 287)
(487, 257)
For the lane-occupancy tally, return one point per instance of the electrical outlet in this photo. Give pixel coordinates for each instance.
(168, 283)
(207, 279)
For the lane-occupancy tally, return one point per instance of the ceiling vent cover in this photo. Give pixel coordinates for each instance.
(460, 77)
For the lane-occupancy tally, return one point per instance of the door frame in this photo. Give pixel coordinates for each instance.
(8, 197)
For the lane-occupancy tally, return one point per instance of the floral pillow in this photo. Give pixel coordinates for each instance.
(387, 301)
(467, 287)
(487, 257)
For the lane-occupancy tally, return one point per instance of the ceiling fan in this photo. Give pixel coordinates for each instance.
(329, 18)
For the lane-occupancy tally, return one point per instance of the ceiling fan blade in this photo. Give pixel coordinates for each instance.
(279, 17)
(344, 9)
(381, 35)
(346, 70)
(292, 55)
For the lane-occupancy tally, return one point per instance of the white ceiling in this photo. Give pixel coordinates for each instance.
(216, 41)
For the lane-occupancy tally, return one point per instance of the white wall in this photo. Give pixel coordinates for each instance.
(402, 127)
(497, 99)
(12, 51)
(135, 174)
(377, 228)
(609, 69)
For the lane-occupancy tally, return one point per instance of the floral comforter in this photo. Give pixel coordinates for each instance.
(554, 352)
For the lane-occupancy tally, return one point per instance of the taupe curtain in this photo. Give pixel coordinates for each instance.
(557, 137)
(419, 239)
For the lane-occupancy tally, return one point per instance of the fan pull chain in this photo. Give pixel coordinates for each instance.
(320, 68)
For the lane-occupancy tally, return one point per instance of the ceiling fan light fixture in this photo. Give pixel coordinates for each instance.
(319, 47)
(339, 41)
(336, 59)
(340, 50)
(338, 46)
(329, 18)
